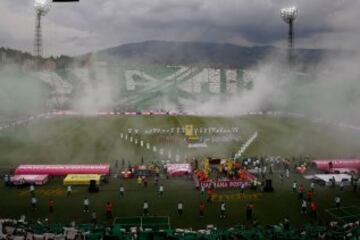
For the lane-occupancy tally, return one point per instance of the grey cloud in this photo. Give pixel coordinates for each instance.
(112, 22)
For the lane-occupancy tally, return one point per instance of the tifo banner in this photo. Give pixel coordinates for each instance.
(62, 170)
(178, 169)
(224, 184)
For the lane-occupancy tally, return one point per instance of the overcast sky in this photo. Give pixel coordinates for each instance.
(75, 28)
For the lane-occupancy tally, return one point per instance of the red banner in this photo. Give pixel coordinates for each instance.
(224, 184)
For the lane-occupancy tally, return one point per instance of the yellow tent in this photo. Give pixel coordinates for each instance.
(81, 179)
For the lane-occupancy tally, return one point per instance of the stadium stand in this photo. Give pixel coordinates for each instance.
(22, 230)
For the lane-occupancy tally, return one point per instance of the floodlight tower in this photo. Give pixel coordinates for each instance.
(288, 15)
(42, 7)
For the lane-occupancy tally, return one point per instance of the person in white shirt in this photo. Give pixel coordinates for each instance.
(341, 185)
(202, 190)
(34, 202)
(303, 207)
(146, 208)
(337, 202)
(294, 186)
(180, 208)
(287, 173)
(32, 190)
(312, 186)
(86, 204)
(122, 191)
(161, 190)
(242, 186)
(69, 190)
(222, 210)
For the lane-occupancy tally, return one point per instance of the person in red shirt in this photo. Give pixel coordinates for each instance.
(313, 209)
(209, 195)
(301, 191)
(249, 210)
(310, 195)
(201, 209)
(108, 210)
(51, 205)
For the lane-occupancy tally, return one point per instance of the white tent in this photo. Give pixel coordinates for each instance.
(325, 179)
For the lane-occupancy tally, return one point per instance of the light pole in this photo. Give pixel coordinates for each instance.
(289, 15)
(42, 7)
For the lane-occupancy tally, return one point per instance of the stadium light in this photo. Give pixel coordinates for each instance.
(289, 15)
(42, 7)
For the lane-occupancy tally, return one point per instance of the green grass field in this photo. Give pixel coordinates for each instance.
(95, 140)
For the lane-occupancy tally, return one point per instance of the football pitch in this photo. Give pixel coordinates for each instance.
(98, 140)
(345, 214)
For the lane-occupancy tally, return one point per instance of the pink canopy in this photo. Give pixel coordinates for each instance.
(337, 164)
(178, 169)
(62, 170)
(32, 179)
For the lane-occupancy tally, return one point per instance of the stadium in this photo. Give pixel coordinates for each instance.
(143, 141)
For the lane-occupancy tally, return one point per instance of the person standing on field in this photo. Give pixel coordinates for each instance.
(93, 217)
(202, 190)
(32, 190)
(34, 203)
(294, 186)
(341, 186)
(86, 204)
(69, 190)
(161, 190)
(122, 190)
(180, 208)
(146, 208)
(337, 202)
(303, 207)
(51, 206)
(108, 210)
(201, 209)
(249, 210)
(222, 210)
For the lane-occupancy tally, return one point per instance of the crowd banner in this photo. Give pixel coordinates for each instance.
(224, 184)
(63, 170)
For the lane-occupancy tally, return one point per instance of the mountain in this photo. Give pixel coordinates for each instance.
(201, 53)
(13, 56)
(222, 55)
